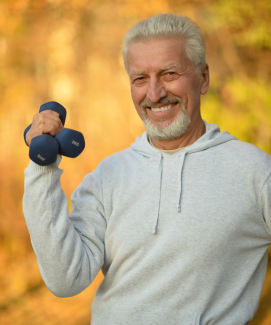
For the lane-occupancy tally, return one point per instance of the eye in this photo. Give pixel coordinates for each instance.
(139, 80)
(170, 75)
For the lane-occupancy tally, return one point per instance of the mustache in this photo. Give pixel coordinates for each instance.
(166, 100)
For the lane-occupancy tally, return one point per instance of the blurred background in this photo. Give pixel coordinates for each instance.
(69, 51)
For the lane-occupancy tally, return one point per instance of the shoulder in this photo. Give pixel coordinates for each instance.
(245, 150)
(247, 156)
(118, 158)
(118, 163)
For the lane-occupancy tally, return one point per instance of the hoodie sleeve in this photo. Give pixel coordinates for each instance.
(266, 203)
(69, 250)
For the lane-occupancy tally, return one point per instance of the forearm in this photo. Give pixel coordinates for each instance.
(68, 265)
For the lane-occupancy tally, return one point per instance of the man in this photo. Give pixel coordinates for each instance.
(179, 222)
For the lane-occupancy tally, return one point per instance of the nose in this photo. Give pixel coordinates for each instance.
(156, 90)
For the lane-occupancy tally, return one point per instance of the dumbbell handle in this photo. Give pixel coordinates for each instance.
(55, 107)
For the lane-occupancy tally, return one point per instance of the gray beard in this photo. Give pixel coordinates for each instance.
(171, 131)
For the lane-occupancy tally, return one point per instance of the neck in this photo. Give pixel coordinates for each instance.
(193, 133)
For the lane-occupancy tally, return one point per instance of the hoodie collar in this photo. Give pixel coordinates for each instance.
(212, 137)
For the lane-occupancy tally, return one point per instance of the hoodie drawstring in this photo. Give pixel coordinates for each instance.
(180, 172)
(159, 188)
(158, 197)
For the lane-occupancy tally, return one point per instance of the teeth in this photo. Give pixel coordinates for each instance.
(161, 109)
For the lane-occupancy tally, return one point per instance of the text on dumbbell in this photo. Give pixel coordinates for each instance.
(40, 157)
(75, 143)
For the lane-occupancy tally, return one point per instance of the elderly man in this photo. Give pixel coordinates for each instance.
(180, 222)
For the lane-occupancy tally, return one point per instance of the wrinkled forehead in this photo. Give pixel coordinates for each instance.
(156, 54)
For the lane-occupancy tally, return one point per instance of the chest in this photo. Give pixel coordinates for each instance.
(219, 208)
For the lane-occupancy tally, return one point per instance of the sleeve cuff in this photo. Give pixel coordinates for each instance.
(33, 166)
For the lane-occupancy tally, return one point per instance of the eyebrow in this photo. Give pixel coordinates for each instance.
(162, 69)
(169, 67)
(136, 73)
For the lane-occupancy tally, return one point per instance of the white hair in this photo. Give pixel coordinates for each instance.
(169, 25)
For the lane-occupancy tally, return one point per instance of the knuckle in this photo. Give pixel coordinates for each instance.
(41, 117)
(35, 118)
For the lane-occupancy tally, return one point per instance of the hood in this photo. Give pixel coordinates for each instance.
(211, 138)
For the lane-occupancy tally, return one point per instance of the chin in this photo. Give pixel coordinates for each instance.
(172, 131)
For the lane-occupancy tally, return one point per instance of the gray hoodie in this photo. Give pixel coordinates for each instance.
(181, 239)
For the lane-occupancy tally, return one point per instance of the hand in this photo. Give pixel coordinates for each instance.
(45, 122)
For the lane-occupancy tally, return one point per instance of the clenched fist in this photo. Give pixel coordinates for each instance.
(46, 122)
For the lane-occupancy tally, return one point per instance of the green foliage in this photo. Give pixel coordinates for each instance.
(248, 20)
(243, 109)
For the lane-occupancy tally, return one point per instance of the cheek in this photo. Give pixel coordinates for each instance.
(137, 95)
(137, 99)
(177, 88)
(134, 97)
(186, 90)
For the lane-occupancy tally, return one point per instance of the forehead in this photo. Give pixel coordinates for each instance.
(156, 54)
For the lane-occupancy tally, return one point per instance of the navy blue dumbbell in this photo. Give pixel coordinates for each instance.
(53, 106)
(44, 148)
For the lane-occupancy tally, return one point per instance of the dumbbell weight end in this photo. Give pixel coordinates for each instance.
(44, 150)
(71, 143)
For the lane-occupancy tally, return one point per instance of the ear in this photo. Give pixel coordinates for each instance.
(204, 80)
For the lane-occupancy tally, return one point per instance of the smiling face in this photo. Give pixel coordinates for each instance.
(165, 86)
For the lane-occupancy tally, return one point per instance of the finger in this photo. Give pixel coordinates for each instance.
(48, 111)
(50, 129)
(31, 134)
(46, 119)
(40, 130)
(46, 125)
(54, 114)
(50, 126)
